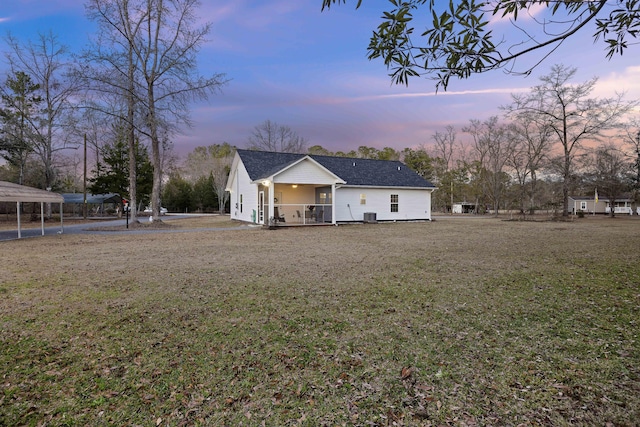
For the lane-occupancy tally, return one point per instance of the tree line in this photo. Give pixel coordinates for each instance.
(127, 94)
(547, 144)
(132, 85)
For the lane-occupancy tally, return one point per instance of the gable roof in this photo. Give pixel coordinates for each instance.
(354, 171)
(261, 164)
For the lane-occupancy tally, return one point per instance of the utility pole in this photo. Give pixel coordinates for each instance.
(84, 186)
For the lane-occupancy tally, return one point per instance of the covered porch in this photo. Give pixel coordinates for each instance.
(620, 206)
(300, 193)
(295, 204)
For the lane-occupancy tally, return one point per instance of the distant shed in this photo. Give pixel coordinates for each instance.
(464, 208)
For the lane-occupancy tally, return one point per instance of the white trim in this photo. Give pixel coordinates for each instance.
(293, 164)
(387, 187)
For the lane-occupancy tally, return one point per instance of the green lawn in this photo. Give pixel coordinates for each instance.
(454, 322)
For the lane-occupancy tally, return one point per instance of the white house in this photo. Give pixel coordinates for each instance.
(291, 189)
(589, 204)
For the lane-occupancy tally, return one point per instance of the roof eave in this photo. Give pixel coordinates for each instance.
(388, 187)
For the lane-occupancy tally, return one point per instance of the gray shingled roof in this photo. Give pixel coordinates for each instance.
(359, 172)
(601, 198)
(261, 164)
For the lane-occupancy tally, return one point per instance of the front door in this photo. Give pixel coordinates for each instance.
(261, 207)
(323, 199)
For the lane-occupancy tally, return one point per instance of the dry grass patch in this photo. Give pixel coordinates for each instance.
(455, 322)
(9, 222)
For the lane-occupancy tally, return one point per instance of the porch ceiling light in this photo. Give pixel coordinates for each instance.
(265, 183)
(295, 185)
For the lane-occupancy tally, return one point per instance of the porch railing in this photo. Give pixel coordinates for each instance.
(620, 210)
(301, 213)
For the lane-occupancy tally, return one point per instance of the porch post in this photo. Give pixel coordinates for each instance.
(333, 204)
(42, 217)
(18, 210)
(272, 192)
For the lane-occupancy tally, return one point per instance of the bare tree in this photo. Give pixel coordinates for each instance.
(270, 136)
(631, 138)
(611, 173)
(98, 128)
(46, 62)
(445, 146)
(572, 116)
(531, 142)
(493, 148)
(109, 71)
(155, 46)
(214, 160)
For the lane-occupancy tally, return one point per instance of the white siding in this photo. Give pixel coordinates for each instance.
(412, 204)
(241, 185)
(305, 172)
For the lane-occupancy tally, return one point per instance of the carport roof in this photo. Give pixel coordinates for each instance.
(92, 198)
(10, 192)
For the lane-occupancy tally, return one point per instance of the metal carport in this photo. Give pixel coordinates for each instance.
(10, 192)
(91, 199)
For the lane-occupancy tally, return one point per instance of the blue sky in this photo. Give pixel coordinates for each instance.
(293, 64)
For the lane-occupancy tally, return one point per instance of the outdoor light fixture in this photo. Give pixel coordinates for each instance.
(295, 185)
(265, 183)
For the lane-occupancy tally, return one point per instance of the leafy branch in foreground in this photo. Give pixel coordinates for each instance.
(459, 40)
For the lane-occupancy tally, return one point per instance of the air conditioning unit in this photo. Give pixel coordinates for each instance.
(370, 218)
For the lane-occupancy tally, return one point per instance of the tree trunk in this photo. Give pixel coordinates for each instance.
(155, 156)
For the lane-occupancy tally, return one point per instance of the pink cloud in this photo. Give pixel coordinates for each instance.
(531, 13)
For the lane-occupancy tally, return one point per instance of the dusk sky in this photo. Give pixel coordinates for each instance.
(290, 63)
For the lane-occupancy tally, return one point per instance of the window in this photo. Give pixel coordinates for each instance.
(324, 196)
(241, 203)
(394, 203)
(363, 199)
(583, 206)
